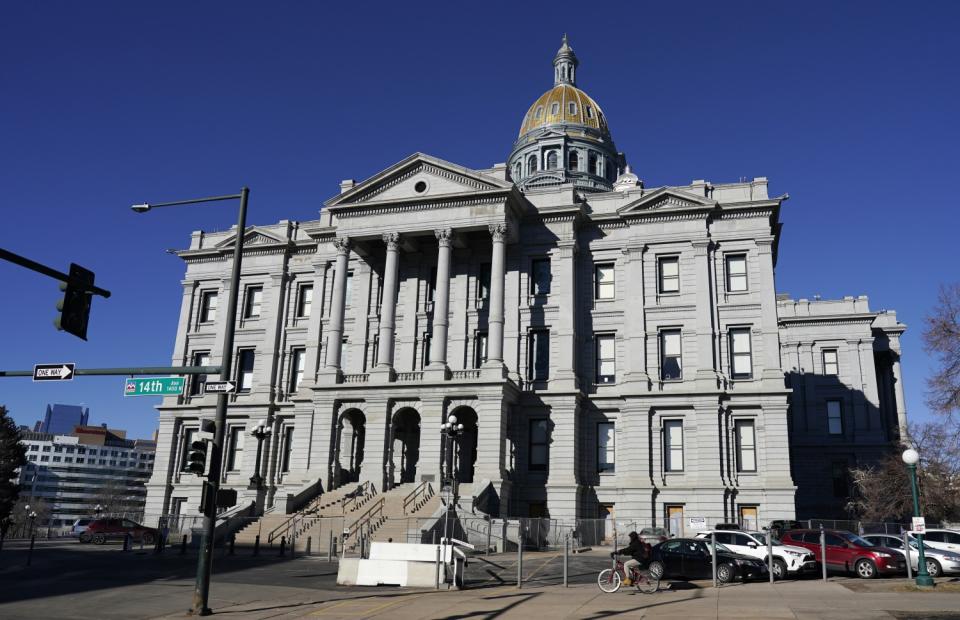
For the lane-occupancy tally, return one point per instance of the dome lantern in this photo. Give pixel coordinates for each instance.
(565, 65)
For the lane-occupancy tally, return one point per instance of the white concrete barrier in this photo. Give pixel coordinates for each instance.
(399, 564)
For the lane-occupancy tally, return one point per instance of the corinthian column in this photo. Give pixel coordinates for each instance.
(495, 320)
(335, 331)
(441, 303)
(388, 304)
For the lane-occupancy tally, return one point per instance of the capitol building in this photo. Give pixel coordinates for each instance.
(612, 347)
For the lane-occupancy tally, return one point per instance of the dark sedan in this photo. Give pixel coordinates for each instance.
(690, 558)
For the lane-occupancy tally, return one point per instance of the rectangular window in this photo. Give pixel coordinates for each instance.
(200, 358)
(539, 436)
(736, 273)
(540, 277)
(348, 289)
(831, 364)
(606, 447)
(287, 449)
(208, 306)
(668, 268)
(746, 445)
(604, 286)
(673, 445)
(251, 309)
(538, 355)
(479, 349)
(44, 459)
(235, 450)
(425, 351)
(483, 282)
(305, 300)
(56, 459)
(297, 356)
(671, 358)
(834, 417)
(838, 474)
(188, 436)
(741, 358)
(344, 350)
(605, 351)
(245, 370)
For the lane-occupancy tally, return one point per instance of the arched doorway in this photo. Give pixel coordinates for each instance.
(465, 446)
(351, 430)
(405, 446)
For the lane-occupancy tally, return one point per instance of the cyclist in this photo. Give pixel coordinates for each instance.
(639, 557)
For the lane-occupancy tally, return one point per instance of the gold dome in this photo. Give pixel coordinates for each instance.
(564, 105)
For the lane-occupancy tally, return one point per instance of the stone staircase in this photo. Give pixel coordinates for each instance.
(395, 515)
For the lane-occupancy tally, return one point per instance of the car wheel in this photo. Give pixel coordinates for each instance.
(657, 569)
(779, 569)
(84, 538)
(933, 568)
(725, 573)
(99, 539)
(148, 538)
(865, 569)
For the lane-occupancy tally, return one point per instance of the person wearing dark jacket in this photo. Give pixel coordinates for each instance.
(639, 556)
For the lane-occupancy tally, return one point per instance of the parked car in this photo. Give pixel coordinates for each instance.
(654, 535)
(786, 558)
(779, 526)
(79, 530)
(727, 526)
(690, 558)
(101, 530)
(938, 561)
(947, 540)
(848, 552)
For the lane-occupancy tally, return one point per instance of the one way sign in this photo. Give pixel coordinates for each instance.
(53, 372)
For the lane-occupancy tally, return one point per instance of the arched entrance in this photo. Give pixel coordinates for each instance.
(404, 447)
(465, 446)
(351, 430)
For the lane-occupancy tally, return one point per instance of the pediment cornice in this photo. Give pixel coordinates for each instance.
(666, 199)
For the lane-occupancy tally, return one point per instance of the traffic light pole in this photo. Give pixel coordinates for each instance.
(47, 271)
(201, 592)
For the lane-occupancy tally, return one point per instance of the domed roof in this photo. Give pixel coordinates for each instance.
(564, 104)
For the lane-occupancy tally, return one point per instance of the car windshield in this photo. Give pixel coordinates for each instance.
(856, 540)
(915, 545)
(762, 539)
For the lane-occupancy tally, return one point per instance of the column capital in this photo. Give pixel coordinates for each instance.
(764, 244)
(701, 245)
(444, 236)
(499, 231)
(342, 245)
(392, 239)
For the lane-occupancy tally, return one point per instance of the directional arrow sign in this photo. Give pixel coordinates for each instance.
(219, 387)
(53, 372)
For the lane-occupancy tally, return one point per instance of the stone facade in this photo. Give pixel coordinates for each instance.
(608, 347)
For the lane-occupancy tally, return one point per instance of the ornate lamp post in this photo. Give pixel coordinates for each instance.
(33, 517)
(911, 457)
(98, 509)
(260, 432)
(450, 430)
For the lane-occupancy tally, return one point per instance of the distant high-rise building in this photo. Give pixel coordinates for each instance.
(62, 419)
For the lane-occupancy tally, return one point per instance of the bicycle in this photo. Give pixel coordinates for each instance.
(609, 580)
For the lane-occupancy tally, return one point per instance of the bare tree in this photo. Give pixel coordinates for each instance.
(941, 337)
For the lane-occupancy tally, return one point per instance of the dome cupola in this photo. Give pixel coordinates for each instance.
(564, 136)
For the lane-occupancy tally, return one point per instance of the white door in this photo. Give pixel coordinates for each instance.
(741, 543)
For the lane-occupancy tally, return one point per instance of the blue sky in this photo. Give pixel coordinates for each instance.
(848, 107)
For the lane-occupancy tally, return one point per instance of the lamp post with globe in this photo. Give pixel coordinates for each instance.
(451, 430)
(260, 432)
(911, 457)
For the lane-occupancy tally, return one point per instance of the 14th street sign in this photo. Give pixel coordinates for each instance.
(154, 386)
(53, 372)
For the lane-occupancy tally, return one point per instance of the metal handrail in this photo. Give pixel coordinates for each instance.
(423, 489)
(366, 517)
(369, 490)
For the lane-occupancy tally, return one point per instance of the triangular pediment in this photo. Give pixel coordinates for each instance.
(666, 199)
(253, 236)
(418, 177)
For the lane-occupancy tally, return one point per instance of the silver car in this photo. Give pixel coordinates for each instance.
(939, 561)
(79, 530)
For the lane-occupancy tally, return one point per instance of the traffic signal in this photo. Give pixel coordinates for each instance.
(197, 459)
(75, 306)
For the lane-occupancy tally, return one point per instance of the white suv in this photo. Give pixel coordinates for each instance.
(948, 540)
(786, 558)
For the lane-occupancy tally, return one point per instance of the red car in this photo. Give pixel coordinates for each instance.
(848, 552)
(101, 530)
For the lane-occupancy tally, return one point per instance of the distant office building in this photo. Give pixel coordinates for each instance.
(61, 419)
(92, 465)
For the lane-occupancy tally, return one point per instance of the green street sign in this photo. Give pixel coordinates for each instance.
(154, 386)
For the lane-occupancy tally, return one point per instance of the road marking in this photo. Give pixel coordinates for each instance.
(360, 602)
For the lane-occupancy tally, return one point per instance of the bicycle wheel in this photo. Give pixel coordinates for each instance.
(609, 580)
(648, 583)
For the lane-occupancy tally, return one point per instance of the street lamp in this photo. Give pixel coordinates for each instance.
(201, 592)
(98, 509)
(261, 431)
(911, 457)
(32, 516)
(450, 430)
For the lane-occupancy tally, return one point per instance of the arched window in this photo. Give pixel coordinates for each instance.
(574, 161)
(517, 171)
(552, 160)
(539, 112)
(531, 164)
(589, 112)
(572, 108)
(592, 163)
(555, 108)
